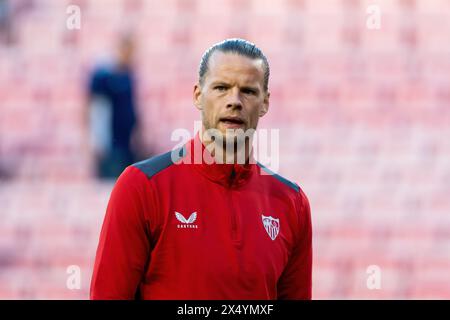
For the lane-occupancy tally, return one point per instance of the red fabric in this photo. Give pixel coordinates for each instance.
(226, 253)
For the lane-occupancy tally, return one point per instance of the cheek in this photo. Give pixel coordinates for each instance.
(254, 121)
(212, 108)
(254, 116)
(210, 112)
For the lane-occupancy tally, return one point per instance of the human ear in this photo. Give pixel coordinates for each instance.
(197, 96)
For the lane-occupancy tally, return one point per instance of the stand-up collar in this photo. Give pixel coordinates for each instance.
(228, 175)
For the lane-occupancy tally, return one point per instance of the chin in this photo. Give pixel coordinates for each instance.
(238, 135)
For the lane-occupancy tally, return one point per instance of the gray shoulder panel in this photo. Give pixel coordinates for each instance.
(280, 178)
(158, 163)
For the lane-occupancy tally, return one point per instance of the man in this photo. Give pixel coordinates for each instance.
(219, 229)
(113, 112)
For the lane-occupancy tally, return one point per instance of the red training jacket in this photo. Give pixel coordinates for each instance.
(175, 230)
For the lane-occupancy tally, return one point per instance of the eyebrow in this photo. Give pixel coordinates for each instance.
(223, 83)
(251, 88)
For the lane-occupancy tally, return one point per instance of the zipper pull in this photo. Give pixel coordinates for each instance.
(232, 176)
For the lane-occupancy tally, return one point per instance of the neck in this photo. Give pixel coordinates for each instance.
(230, 151)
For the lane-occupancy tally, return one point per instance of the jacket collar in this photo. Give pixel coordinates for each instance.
(228, 175)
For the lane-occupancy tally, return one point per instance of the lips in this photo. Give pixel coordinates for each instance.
(232, 121)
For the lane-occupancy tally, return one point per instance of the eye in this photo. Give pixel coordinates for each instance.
(248, 91)
(220, 88)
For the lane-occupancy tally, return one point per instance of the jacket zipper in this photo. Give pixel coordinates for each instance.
(234, 236)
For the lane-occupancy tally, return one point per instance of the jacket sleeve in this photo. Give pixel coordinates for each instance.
(124, 247)
(296, 280)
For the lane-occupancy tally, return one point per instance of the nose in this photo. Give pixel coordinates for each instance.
(234, 99)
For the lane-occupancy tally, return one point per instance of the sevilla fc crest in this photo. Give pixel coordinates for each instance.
(272, 226)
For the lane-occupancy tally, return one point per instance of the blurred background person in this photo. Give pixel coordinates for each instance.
(5, 22)
(112, 113)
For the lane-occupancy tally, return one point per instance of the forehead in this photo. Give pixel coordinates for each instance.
(231, 66)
